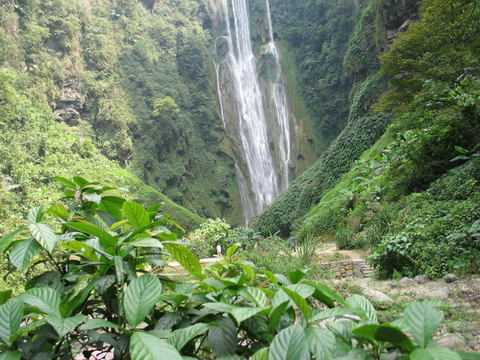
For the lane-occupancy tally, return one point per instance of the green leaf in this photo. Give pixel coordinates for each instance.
(290, 344)
(256, 296)
(147, 243)
(8, 239)
(22, 253)
(11, 355)
(422, 320)
(321, 342)
(119, 269)
(11, 314)
(112, 205)
(325, 294)
(261, 354)
(469, 355)
(65, 182)
(64, 326)
(44, 236)
(144, 346)
(232, 250)
(181, 337)
(185, 257)
(301, 303)
(107, 241)
(35, 215)
(93, 324)
(434, 352)
(277, 313)
(59, 211)
(44, 299)
(140, 297)
(281, 296)
(5, 295)
(80, 181)
(239, 313)
(361, 306)
(222, 337)
(385, 333)
(136, 214)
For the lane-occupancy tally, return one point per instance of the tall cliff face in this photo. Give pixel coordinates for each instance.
(137, 78)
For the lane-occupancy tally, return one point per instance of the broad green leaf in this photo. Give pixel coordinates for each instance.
(469, 355)
(289, 344)
(147, 243)
(65, 182)
(434, 352)
(422, 320)
(113, 206)
(296, 276)
(119, 269)
(140, 297)
(144, 346)
(321, 342)
(64, 326)
(329, 314)
(325, 294)
(44, 299)
(222, 337)
(136, 214)
(181, 337)
(93, 324)
(80, 181)
(5, 296)
(59, 211)
(256, 296)
(277, 313)
(107, 241)
(11, 355)
(239, 313)
(185, 257)
(8, 239)
(261, 354)
(301, 303)
(35, 215)
(356, 354)
(22, 253)
(232, 250)
(362, 307)
(44, 236)
(385, 333)
(281, 296)
(11, 314)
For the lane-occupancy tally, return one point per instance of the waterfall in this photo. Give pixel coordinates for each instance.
(261, 172)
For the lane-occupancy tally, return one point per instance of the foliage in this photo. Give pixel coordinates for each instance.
(102, 65)
(204, 240)
(98, 294)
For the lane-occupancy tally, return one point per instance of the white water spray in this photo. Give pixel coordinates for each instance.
(263, 177)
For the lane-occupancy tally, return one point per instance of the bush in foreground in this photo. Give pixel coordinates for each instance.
(95, 291)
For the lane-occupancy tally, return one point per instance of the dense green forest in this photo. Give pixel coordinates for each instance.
(122, 193)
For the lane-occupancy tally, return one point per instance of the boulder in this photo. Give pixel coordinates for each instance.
(420, 279)
(407, 282)
(450, 278)
(378, 298)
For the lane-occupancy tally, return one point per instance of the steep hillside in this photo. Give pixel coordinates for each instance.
(64, 103)
(413, 196)
(137, 78)
(339, 72)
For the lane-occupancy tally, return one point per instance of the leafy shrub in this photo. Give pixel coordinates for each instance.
(210, 234)
(344, 238)
(96, 294)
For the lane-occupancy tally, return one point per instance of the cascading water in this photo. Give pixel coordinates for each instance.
(261, 174)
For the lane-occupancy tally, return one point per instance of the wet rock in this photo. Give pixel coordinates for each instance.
(450, 278)
(452, 341)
